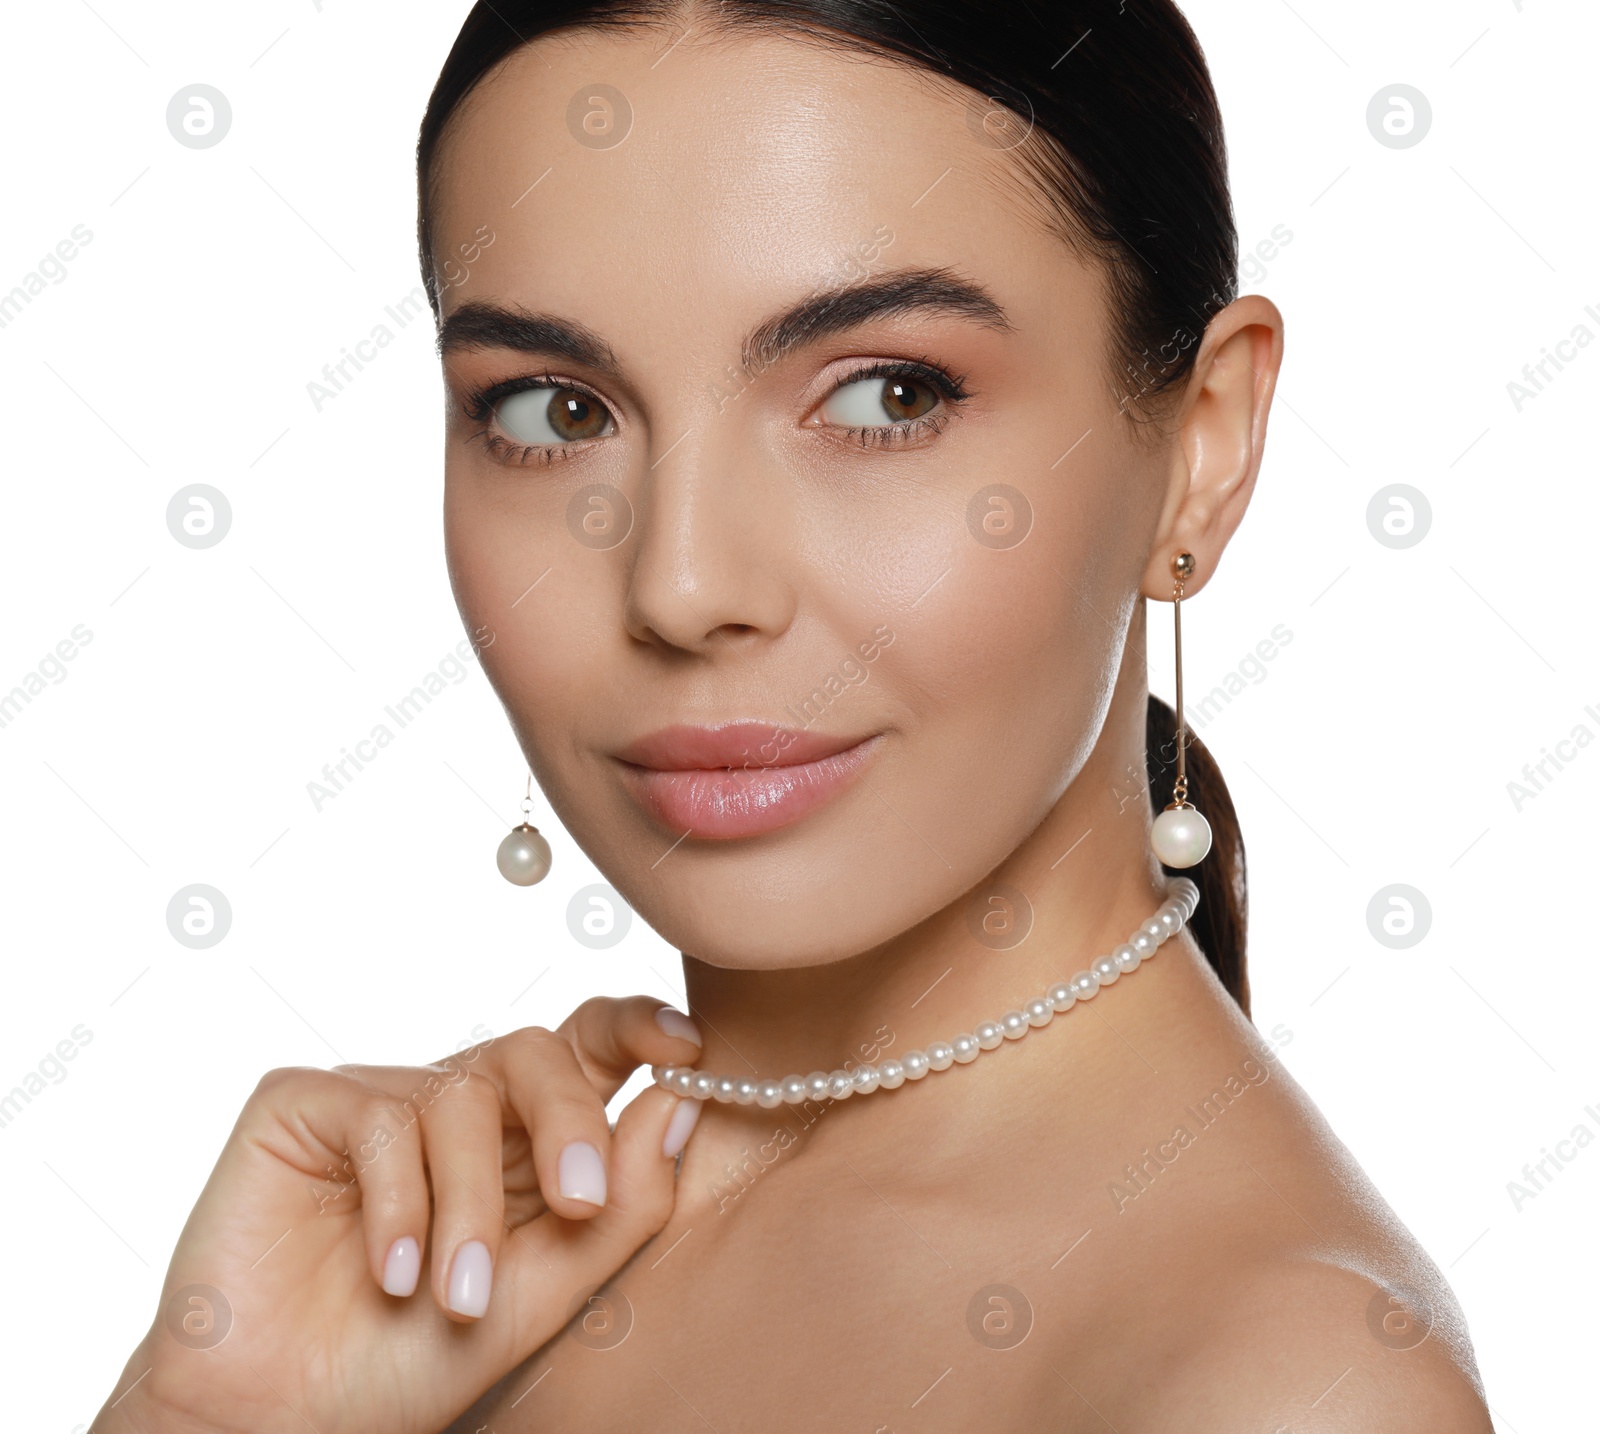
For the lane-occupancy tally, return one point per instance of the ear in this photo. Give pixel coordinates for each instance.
(1222, 428)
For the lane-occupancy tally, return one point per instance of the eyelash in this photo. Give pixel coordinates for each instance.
(478, 406)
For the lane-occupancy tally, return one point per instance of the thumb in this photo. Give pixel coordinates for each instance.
(552, 1269)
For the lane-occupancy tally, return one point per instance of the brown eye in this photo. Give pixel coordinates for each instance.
(551, 416)
(879, 402)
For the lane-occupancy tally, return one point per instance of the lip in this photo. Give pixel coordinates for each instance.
(739, 779)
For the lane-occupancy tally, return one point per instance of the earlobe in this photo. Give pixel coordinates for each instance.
(1217, 450)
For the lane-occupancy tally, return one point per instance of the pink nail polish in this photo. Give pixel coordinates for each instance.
(682, 1122)
(471, 1273)
(581, 1173)
(401, 1267)
(675, 1023)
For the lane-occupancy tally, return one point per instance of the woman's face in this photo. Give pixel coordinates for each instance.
(911, 522)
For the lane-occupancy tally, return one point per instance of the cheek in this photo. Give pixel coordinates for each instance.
(1034, 600)
(515, 570)
(1017, 641)
(1007, 667)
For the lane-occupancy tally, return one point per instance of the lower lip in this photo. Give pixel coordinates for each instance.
(722, 804)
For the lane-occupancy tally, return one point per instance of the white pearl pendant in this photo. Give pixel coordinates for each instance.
(1181, 837)
(524, 856)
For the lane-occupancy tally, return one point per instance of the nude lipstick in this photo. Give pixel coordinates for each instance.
(740, 779)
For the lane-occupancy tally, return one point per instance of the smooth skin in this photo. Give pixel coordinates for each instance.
(325, 1170)
(833, 1266)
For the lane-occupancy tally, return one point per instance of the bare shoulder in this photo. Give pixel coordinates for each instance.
(1310, 1344)
(1297, 1299)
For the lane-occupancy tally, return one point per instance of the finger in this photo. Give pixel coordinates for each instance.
(394, 1198)
(565, 1117)
(614, 1035)
(552, 1265)
(364, 1130)
(461, 1120)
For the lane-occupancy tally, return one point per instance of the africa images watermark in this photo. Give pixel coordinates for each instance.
(1538, 1174)
(337, 376)
(50, 1069)
(1539, 375)
(1140, 1175)
(53, 266)
(851, 671)
(336, 776)
(1155, 367)
(441, 1078)
(855, 266)
(1250, 671)
(1537, 775)
(742, 1176)
(49, 668)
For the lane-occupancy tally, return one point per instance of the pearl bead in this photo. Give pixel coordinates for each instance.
(524, 856)
(1182, 899)
(1084, 985)
(1181, 837)
(864, 1079)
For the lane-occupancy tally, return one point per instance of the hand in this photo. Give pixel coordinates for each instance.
(378, 1245)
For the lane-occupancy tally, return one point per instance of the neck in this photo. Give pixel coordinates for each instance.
(1020, 930)
(1075, 888)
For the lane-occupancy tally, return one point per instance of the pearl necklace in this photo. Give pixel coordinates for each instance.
(1182, 896)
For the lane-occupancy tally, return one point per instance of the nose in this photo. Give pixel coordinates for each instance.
(712, 531)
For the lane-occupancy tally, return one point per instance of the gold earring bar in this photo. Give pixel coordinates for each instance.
(1182, 569)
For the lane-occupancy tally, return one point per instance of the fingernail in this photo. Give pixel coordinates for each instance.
(403, 1264)
(471, 1273)
(675, 1023)
(581, 1173)
(682, 1122)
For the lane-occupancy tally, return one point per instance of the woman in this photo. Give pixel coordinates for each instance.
(828, 382)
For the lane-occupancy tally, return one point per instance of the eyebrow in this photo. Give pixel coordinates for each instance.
(820, 314)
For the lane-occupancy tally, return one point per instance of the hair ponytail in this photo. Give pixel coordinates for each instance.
(1219, 920)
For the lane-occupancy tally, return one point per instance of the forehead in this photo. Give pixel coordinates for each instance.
(607, 169)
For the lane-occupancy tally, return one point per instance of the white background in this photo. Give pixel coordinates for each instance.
(1377, 748)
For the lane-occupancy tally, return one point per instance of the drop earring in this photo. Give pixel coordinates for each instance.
(524, 856)
(1180, 835)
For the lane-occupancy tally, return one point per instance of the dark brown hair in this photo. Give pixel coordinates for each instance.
(1108, 108)
(1219, 920)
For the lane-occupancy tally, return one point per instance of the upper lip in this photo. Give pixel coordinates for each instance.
(682, 747)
